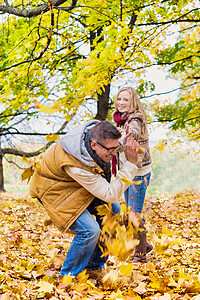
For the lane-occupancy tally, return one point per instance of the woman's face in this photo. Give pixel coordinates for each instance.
(124, 101)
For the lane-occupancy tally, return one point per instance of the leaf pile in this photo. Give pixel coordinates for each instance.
(33, 250)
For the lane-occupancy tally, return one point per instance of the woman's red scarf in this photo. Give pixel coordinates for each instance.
(119, 121)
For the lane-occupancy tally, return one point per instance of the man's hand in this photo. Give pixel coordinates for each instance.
(130, 148)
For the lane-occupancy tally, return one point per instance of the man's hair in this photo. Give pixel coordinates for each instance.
(104, 130)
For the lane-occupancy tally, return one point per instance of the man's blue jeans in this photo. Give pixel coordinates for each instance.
(84, 252)
(135, 194)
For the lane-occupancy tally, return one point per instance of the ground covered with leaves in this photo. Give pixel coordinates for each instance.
(33, 250)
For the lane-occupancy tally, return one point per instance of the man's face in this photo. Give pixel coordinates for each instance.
(103, 153)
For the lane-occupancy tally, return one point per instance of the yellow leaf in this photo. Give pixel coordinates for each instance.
(167, 232)
(26, 174)
(45, 287)
(126, 270)
(184, 276)
(104, 210)
(124, 208)
(137, 182)
(5, 297)
(25, 159)
(133, 218)
(46, 109)
(141, 150)
(82, 277)
(125, 180)
(166, 296)
(36, 103)
(52, 137)
(141, 288)
(130, 244)
(67, 279)
(110, 279)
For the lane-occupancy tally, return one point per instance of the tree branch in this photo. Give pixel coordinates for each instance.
(174, 119)
(90, 7)
(14, 163)
(181, 59)
(28, 133)
(23, 153)
(34, 153)
(178, 20)
(35, 11)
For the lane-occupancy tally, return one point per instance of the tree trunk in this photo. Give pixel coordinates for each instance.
(103, 104)
(1, 173)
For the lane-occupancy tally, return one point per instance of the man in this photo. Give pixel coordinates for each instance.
(73, 179)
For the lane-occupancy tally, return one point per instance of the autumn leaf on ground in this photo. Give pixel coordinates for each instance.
(45, 287)
(126, 270)
(32, 253)
(141, 288)
(83, 276)
(65, 281)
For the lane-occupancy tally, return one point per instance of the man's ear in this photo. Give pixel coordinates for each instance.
(93, 145)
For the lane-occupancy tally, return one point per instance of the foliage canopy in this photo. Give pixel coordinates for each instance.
(68, 52)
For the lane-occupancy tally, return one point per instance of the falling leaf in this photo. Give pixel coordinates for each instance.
(110, 279)
(125, 180)
(133, 218)
(25, 159)
(137, 182)
(52, 137)
(27, 173)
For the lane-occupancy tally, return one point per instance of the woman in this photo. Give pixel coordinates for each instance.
(129, 110)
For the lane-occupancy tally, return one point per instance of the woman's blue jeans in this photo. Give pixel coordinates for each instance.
(135, 194)
(84, 251)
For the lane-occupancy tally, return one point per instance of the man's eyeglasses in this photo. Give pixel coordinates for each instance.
(111, 149)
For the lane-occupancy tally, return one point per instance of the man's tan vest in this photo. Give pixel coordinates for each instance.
(63, 197)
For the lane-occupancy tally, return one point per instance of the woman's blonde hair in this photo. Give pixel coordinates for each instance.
(135, 101)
